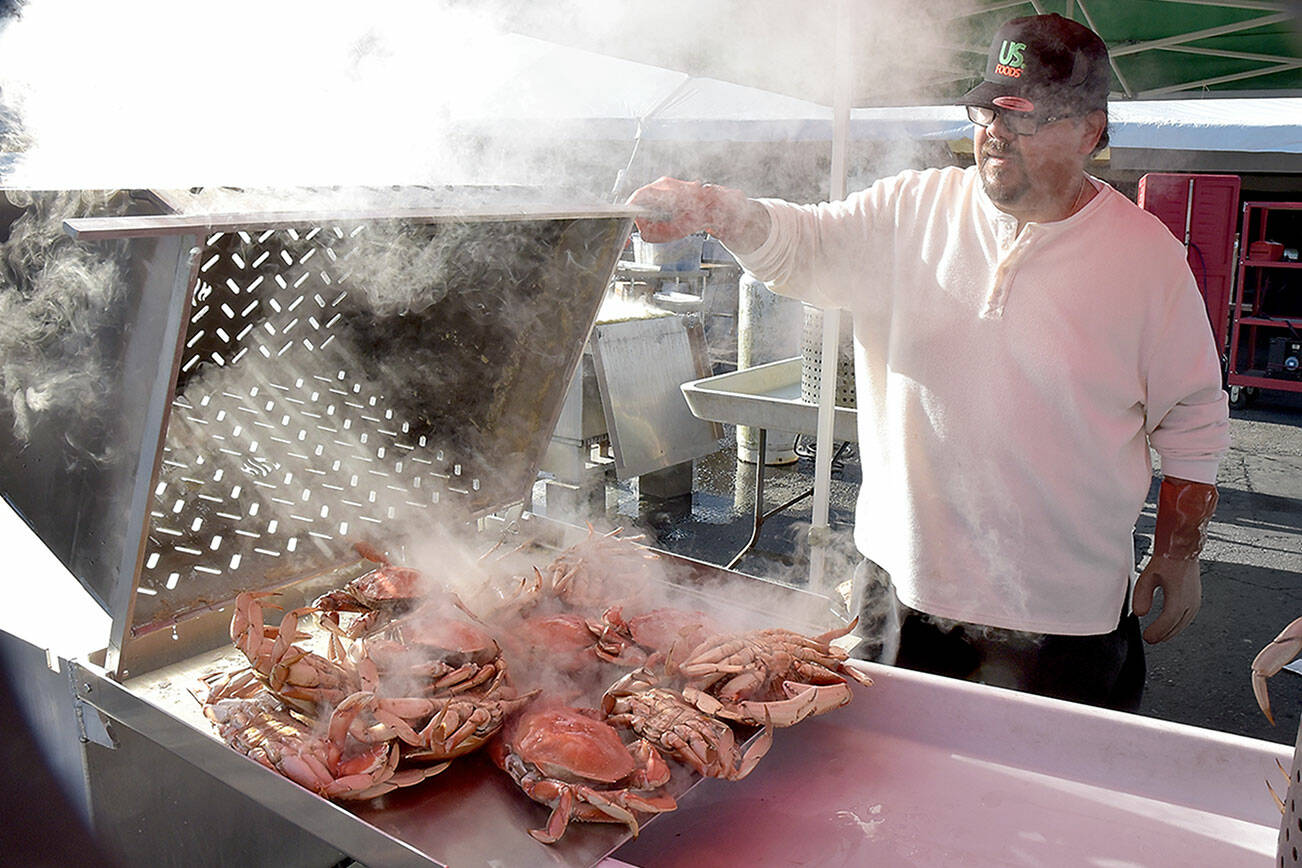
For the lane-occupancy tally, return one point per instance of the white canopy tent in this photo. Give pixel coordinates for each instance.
(365, 104)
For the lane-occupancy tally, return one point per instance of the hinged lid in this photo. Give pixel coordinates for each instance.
(305, 379)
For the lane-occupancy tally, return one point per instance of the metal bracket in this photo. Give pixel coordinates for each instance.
(92, 725)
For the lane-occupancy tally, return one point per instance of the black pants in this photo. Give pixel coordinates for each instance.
(1105, 670)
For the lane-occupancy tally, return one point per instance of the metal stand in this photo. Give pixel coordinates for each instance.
(761, 515)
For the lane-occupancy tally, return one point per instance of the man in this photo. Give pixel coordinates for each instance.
(1023, 333)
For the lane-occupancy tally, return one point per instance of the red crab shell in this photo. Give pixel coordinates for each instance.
(434, 627)
(384, 584)
(659, 629)
(562, 641)
(577, 765)
(568, 745)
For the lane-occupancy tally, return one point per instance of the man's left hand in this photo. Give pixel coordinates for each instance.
(1182, 591)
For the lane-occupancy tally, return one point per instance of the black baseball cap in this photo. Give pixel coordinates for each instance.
(1045, 64)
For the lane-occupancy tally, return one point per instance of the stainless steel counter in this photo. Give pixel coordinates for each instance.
(921, 770)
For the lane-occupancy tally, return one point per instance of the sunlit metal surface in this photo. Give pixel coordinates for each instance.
(639, 364)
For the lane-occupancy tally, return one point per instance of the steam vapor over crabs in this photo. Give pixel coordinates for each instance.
(584, 579)
(399, 678)
(380, 595)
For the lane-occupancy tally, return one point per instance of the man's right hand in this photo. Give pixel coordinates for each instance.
(680, 208)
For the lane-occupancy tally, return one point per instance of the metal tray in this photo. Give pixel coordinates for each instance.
(765, 396)
(471, 814)
(921, 770)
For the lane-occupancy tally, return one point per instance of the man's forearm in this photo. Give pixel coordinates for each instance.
(742, 224)
(1184, 509)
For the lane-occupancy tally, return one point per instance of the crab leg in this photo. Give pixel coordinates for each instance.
(1273, 658)
(756, 753)
(560, 815)
(466, 677)
(804, 700)
(610, 808)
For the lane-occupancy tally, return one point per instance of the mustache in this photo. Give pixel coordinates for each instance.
(994, 148)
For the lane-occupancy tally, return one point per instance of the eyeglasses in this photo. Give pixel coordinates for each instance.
(1019, 122)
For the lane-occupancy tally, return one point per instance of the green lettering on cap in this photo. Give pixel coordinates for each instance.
(1010, 54)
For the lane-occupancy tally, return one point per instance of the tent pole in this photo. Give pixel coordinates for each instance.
(819, 582)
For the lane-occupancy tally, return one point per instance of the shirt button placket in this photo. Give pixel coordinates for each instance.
(1005, 235)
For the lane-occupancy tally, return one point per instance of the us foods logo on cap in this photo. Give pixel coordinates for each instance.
(1044, 59)
(1010, 59)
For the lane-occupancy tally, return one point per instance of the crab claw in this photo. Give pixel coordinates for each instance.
(756, 752)
(1282, 649)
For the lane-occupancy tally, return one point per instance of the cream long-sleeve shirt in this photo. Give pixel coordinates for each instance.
(1009, 386)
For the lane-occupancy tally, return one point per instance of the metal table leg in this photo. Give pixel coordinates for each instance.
(760, 515)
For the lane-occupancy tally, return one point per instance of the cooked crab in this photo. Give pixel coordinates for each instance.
(439, 728)
(432, 650)
(662, 634)
(1273, 657)
(662, 716)
(578, 765)
(379, 596)
(769, 676)
(601, 569)
(563, 642)
(296, 674)
(333, 765)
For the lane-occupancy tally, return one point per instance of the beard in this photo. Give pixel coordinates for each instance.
(1007, 182)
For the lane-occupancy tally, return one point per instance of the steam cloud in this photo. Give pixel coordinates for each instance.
(445, 92)
(55, 296)
(385, 93)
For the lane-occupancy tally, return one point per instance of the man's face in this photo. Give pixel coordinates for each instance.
(1021, 174)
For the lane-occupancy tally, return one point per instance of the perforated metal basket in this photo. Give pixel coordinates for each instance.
(288, 383)
(1289, 847)
(811, 361)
